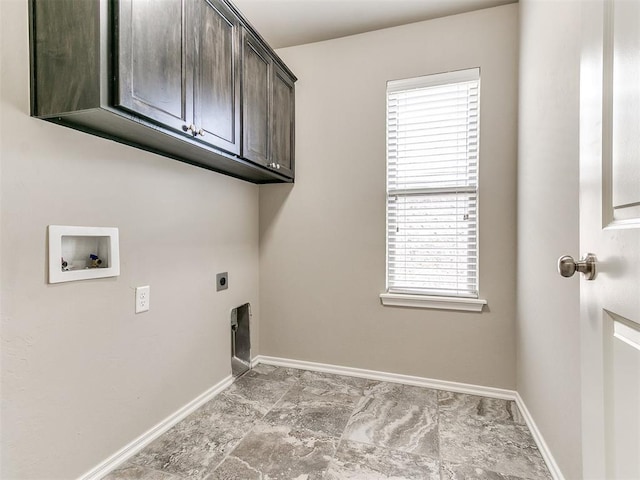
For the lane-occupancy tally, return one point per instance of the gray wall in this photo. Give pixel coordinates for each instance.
(548, 305)
(322, 260)
(82, 375)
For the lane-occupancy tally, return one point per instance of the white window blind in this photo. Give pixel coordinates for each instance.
(432, 184)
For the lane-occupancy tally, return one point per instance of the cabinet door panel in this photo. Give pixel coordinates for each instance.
(256, 84)
(153, 71)
(65, 45)
(282, 148)
(217, 99)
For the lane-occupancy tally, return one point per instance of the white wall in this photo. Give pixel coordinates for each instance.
(322, 241)
(82, 375)
(548, 305)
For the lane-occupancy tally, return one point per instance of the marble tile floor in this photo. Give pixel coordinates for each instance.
(284, 424)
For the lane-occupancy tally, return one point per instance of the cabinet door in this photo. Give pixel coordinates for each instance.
(217, 77)
(153, 65)
(283, 122)
(256, 101)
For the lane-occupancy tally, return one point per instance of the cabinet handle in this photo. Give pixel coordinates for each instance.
(201, 132)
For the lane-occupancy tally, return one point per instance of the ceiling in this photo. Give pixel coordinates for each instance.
(284, 23)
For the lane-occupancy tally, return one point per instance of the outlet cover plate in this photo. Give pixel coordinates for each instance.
(222, 281)
(142, 298)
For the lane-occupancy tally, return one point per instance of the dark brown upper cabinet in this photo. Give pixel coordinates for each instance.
(257, 86)
(165, 77)
(268, 101)
(154, 61)
(178, 65)
(283, 121)
(217, 97)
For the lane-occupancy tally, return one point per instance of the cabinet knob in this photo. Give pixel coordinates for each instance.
(271, 165)
(189, 128)
(201, 132)
(278, 166)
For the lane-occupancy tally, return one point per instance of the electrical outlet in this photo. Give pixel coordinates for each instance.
(142, 298)
(222, 281)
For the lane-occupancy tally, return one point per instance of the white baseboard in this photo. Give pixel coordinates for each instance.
(255, 361)
(429, 383)
(146, 438)
(390, 377)
(553, 467)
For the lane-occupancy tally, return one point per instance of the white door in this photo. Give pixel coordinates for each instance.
(610, 228)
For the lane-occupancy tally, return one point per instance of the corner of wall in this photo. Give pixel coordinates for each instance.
(548, 370)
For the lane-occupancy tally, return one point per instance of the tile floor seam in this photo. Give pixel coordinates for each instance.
(255, 423)
(279, 399)
(393, 450)
(401, 402)
(341, 438)
(179, 477)
(344, 430)
(151, 469)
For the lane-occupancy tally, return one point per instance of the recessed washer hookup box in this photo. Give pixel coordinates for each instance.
(82, 253)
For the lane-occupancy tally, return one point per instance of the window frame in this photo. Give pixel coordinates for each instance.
(417, 299)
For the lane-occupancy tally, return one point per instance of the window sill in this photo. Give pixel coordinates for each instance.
(424, 301)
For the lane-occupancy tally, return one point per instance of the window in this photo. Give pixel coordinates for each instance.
(432, 186)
